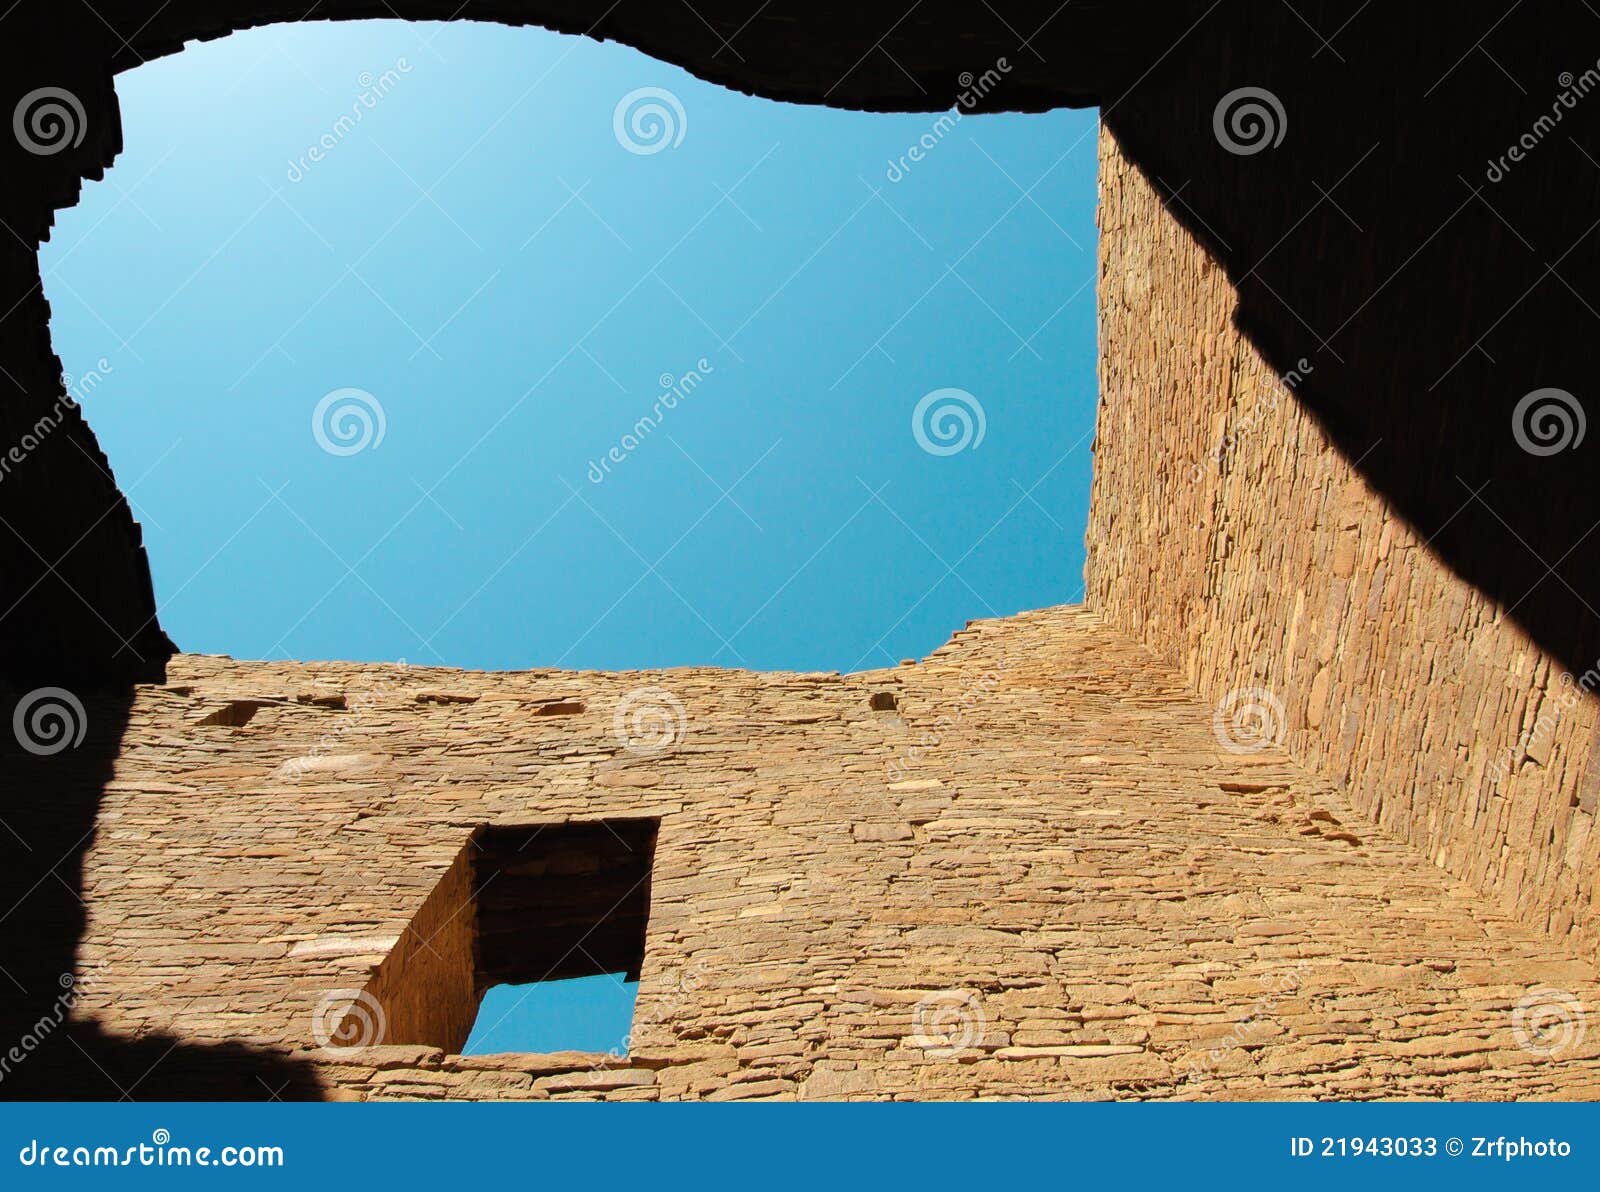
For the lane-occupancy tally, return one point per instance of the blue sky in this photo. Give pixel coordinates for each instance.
(580, 1014)
(483, 258)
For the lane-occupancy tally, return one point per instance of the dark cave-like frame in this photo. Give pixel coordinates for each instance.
(1429, 301)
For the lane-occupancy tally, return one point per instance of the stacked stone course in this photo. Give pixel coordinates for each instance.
(1065, 887)
(1229, 534)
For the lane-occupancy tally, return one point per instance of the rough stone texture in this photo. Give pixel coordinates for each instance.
(1086, 894)
(1229, 533)
(425, 985)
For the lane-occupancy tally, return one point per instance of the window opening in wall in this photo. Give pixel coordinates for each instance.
(532, 940)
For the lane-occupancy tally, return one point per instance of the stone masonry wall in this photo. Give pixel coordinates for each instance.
(425, 984)
(1227, 533)
(1036, 874)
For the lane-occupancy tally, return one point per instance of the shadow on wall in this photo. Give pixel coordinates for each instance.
(48, 1050)
(1410, 209)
